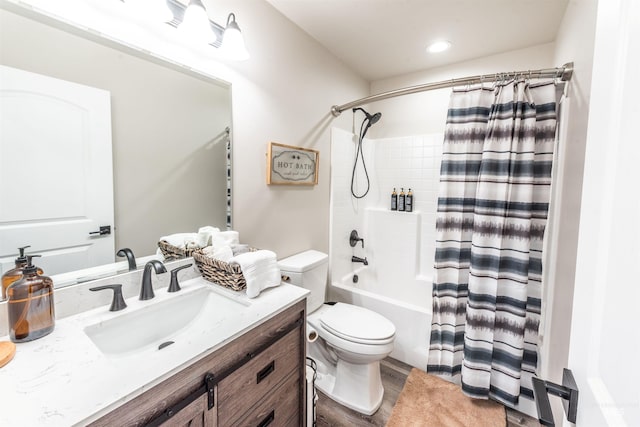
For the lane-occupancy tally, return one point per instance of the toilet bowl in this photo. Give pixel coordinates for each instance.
(351, 340)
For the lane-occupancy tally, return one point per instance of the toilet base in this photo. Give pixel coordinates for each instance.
(356, 386)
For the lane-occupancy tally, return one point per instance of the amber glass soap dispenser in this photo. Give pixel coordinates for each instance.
(30, 305)
(15, 273)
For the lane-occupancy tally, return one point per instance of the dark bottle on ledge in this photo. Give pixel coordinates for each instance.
(30, 305)
(394, 200)
(408, 202)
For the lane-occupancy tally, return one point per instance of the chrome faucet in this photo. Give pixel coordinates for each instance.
(126, 252)
(358, 259)
(146, 291)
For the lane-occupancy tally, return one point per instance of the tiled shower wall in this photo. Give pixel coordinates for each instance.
(403, 162)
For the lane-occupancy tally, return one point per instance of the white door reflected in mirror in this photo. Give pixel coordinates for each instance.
(56, 179)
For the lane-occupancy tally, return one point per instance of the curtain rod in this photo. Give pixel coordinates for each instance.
(564, 73)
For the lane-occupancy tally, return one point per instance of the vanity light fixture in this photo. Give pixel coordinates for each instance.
(439, 46)
(232, 41)
(152, 10)
(195, 23)
(192, 20)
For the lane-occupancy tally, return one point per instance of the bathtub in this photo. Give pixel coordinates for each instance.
(407, 305)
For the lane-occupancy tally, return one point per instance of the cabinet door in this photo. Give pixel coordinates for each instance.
(196, 414)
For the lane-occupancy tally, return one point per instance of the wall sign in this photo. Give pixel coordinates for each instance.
(292, 165)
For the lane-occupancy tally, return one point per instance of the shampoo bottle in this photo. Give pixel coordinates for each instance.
(394, 200)
(30, 305)
(408, 202)
(401, 200)
(15, 273)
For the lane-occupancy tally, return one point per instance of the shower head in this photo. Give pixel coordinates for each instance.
(373, 118)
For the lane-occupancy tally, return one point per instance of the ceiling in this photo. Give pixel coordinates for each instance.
(384, 38)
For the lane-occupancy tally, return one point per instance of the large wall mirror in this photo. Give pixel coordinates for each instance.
(170, 131)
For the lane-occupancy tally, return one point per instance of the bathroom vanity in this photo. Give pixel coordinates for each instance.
(204, 355)
(254, 380)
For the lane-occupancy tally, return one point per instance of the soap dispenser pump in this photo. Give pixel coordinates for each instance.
(30, 305)
(15, 273)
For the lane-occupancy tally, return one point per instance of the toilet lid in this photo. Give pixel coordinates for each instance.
(357, 324)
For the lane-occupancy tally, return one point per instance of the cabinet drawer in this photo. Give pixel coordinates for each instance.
(278, 409)
(240, 391)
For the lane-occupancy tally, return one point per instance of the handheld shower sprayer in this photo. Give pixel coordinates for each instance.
(370, 119)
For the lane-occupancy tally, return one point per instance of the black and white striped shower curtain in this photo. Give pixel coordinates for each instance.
(495, 183)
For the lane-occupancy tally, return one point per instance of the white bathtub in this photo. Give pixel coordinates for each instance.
(407, 305)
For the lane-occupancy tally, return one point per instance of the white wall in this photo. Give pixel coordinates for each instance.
(282, 94)
(426, 112)
(575, 42)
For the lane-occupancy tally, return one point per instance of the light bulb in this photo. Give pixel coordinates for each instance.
(195, 23)
(233, 46)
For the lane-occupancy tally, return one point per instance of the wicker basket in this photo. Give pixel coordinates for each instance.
(171, 252)
(219, 272)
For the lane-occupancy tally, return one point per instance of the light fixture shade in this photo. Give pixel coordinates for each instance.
(233, 46)
(195, 23)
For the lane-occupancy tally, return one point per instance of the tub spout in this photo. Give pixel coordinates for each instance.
(358, 259)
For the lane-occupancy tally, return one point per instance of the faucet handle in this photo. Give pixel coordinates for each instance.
(174, 286)
(117, 303)
(354, 239)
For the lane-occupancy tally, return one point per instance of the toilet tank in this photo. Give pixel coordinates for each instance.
(308, 270)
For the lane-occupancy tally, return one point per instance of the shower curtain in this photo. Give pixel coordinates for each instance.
(495, 182)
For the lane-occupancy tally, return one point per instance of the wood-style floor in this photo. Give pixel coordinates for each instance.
(394, 373)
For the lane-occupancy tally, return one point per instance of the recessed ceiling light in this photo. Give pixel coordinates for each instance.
(439, 46)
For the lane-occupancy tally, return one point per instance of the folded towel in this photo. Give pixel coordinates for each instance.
(225, 238)
(181, 240)
(223, 253)
(240, 249)
(205, 234)
(260, 270)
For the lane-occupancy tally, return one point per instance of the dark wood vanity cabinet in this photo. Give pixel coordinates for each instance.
(258, 378)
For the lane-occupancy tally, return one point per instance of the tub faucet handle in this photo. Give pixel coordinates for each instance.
(354, 239)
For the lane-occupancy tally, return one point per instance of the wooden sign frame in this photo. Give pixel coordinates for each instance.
(290, 165)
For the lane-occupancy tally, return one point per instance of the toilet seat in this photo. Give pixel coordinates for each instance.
(357, 324)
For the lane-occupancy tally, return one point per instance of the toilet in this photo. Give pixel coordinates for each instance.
(350, 342)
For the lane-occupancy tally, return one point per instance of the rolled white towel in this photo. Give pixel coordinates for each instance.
(260, 270)
(205, 234)
(225, 238)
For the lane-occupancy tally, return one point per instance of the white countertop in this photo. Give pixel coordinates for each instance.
(63, 379)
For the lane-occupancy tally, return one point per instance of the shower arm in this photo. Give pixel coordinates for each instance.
(564, 73)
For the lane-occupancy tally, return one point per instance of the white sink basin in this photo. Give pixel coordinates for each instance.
(175, 318)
